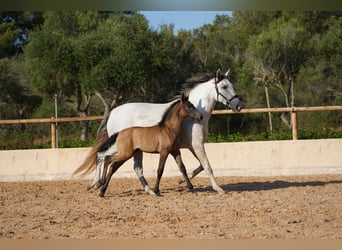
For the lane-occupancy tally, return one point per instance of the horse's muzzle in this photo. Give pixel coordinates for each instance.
(236, 104)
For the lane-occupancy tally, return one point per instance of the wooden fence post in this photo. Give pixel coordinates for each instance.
(294, 125)
(53, 133)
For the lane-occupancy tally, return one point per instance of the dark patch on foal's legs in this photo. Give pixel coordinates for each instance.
(157, 192)
(143, 181)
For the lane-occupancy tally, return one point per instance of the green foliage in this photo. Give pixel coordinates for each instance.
(275, 136)
(14, 26)
(291, 57)
(16, 99)
(7, 37)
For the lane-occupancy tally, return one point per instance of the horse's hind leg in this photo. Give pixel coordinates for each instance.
(196, 171)
(200, 154)
(97, 178)
(103, 174)
(177, 156)
(139, 171)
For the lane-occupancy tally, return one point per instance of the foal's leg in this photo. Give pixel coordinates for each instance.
(115, 166)
(138, 168)
(177, 155)
(162, 160)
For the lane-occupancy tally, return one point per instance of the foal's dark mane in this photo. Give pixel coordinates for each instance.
(168, 112)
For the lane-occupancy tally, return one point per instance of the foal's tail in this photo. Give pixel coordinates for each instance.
(88, 165)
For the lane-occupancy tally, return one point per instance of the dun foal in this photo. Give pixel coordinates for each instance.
(162, 138)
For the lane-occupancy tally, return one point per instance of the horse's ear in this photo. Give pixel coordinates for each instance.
(218, 76)
(227, 73)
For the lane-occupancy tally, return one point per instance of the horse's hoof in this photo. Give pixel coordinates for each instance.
(101, 194)
(91, 184)
(90, 187)
(193, 191)
(221, 191)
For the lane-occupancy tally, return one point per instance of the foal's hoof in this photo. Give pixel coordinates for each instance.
(149, 191)
(157, 192)
(98, 185)
(101, 194)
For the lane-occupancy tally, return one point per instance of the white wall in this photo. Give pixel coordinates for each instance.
(271, 158)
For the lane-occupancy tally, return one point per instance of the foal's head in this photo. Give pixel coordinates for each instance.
(188, 109)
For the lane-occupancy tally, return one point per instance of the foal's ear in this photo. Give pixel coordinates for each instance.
(185, 98)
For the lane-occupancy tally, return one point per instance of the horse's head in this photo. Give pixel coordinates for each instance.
(189, 109)
(225, 92)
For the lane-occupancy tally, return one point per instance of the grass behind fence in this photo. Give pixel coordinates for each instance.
(27, 140)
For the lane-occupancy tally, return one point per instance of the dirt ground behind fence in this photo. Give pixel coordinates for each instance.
(297, 207)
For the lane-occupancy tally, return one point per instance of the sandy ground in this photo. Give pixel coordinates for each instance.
(297, 207)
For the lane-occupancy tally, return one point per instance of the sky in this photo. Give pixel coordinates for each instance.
(181, 19)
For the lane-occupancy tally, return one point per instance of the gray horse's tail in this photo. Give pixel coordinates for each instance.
(88, 165)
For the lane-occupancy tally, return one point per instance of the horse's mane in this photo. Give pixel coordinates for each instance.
(167, 112)
(198, 79)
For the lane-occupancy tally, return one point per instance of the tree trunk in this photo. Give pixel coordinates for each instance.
(285, 120)
(106, 113)
(83, 113)
(85, 128)
(268, 106)
(107, 109)
(286, 97)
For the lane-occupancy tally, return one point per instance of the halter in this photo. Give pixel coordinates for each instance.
(220, 94)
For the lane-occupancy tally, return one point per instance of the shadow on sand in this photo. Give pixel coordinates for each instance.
(237, 187)
(267, 185)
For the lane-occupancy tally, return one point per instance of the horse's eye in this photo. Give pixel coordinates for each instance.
(225, 86)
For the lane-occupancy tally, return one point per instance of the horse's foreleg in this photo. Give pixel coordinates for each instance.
(115, 166)
(200, 154)
(177, 156)
(162, 160)
(138, 168)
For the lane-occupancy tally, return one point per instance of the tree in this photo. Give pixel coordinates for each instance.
(14, 27)
(16, 99)
(117, 58)
(213, 44)
(52, 64)
(319, 79)
(277, 55)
